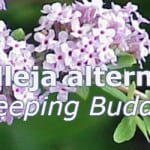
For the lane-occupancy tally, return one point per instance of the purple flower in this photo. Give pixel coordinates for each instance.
(46, 41)
(62, 90)
(2, 5)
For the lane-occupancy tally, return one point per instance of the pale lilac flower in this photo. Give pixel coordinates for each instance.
(78, 30)
(46, 41)
(2, 5)
(8, 118)
(66, 15)
(55, 11)
(16, 45)
(68, 54)
(2, 26)
(44, 24)
(97, 4)
(63, 91)
(23, 94)
(54, 62)
(107, 55)
(21, 61)
(103, 31)
(46, 9)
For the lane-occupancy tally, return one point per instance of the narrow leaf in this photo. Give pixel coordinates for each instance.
(115, 92)
(131, 91)
(140, 123)
(147, 92)
(147, 124)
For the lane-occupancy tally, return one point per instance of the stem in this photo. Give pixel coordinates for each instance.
(136, 93)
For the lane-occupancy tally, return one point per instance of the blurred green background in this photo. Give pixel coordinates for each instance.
(52, 133)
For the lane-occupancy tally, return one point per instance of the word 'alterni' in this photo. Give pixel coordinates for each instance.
(74, 78)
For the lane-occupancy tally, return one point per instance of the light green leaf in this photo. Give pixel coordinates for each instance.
(147, 92)
(124, 60)
(147, 124)
(115, 92)
(131, 91)
(83, 92)
(18, 34)
(125, 130)
(140, 123)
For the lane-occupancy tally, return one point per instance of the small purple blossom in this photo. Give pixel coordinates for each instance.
(2, 5)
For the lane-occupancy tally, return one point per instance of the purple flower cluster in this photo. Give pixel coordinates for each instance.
(17, 55)
(69, 38)
(72, 36)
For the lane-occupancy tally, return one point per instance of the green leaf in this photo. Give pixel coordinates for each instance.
(83, 92)
(140, 123)
(18, 34)
(147, 92)
(131, 91)
(124, 60)
(115, 92)
(147, 124)
(125, 130)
